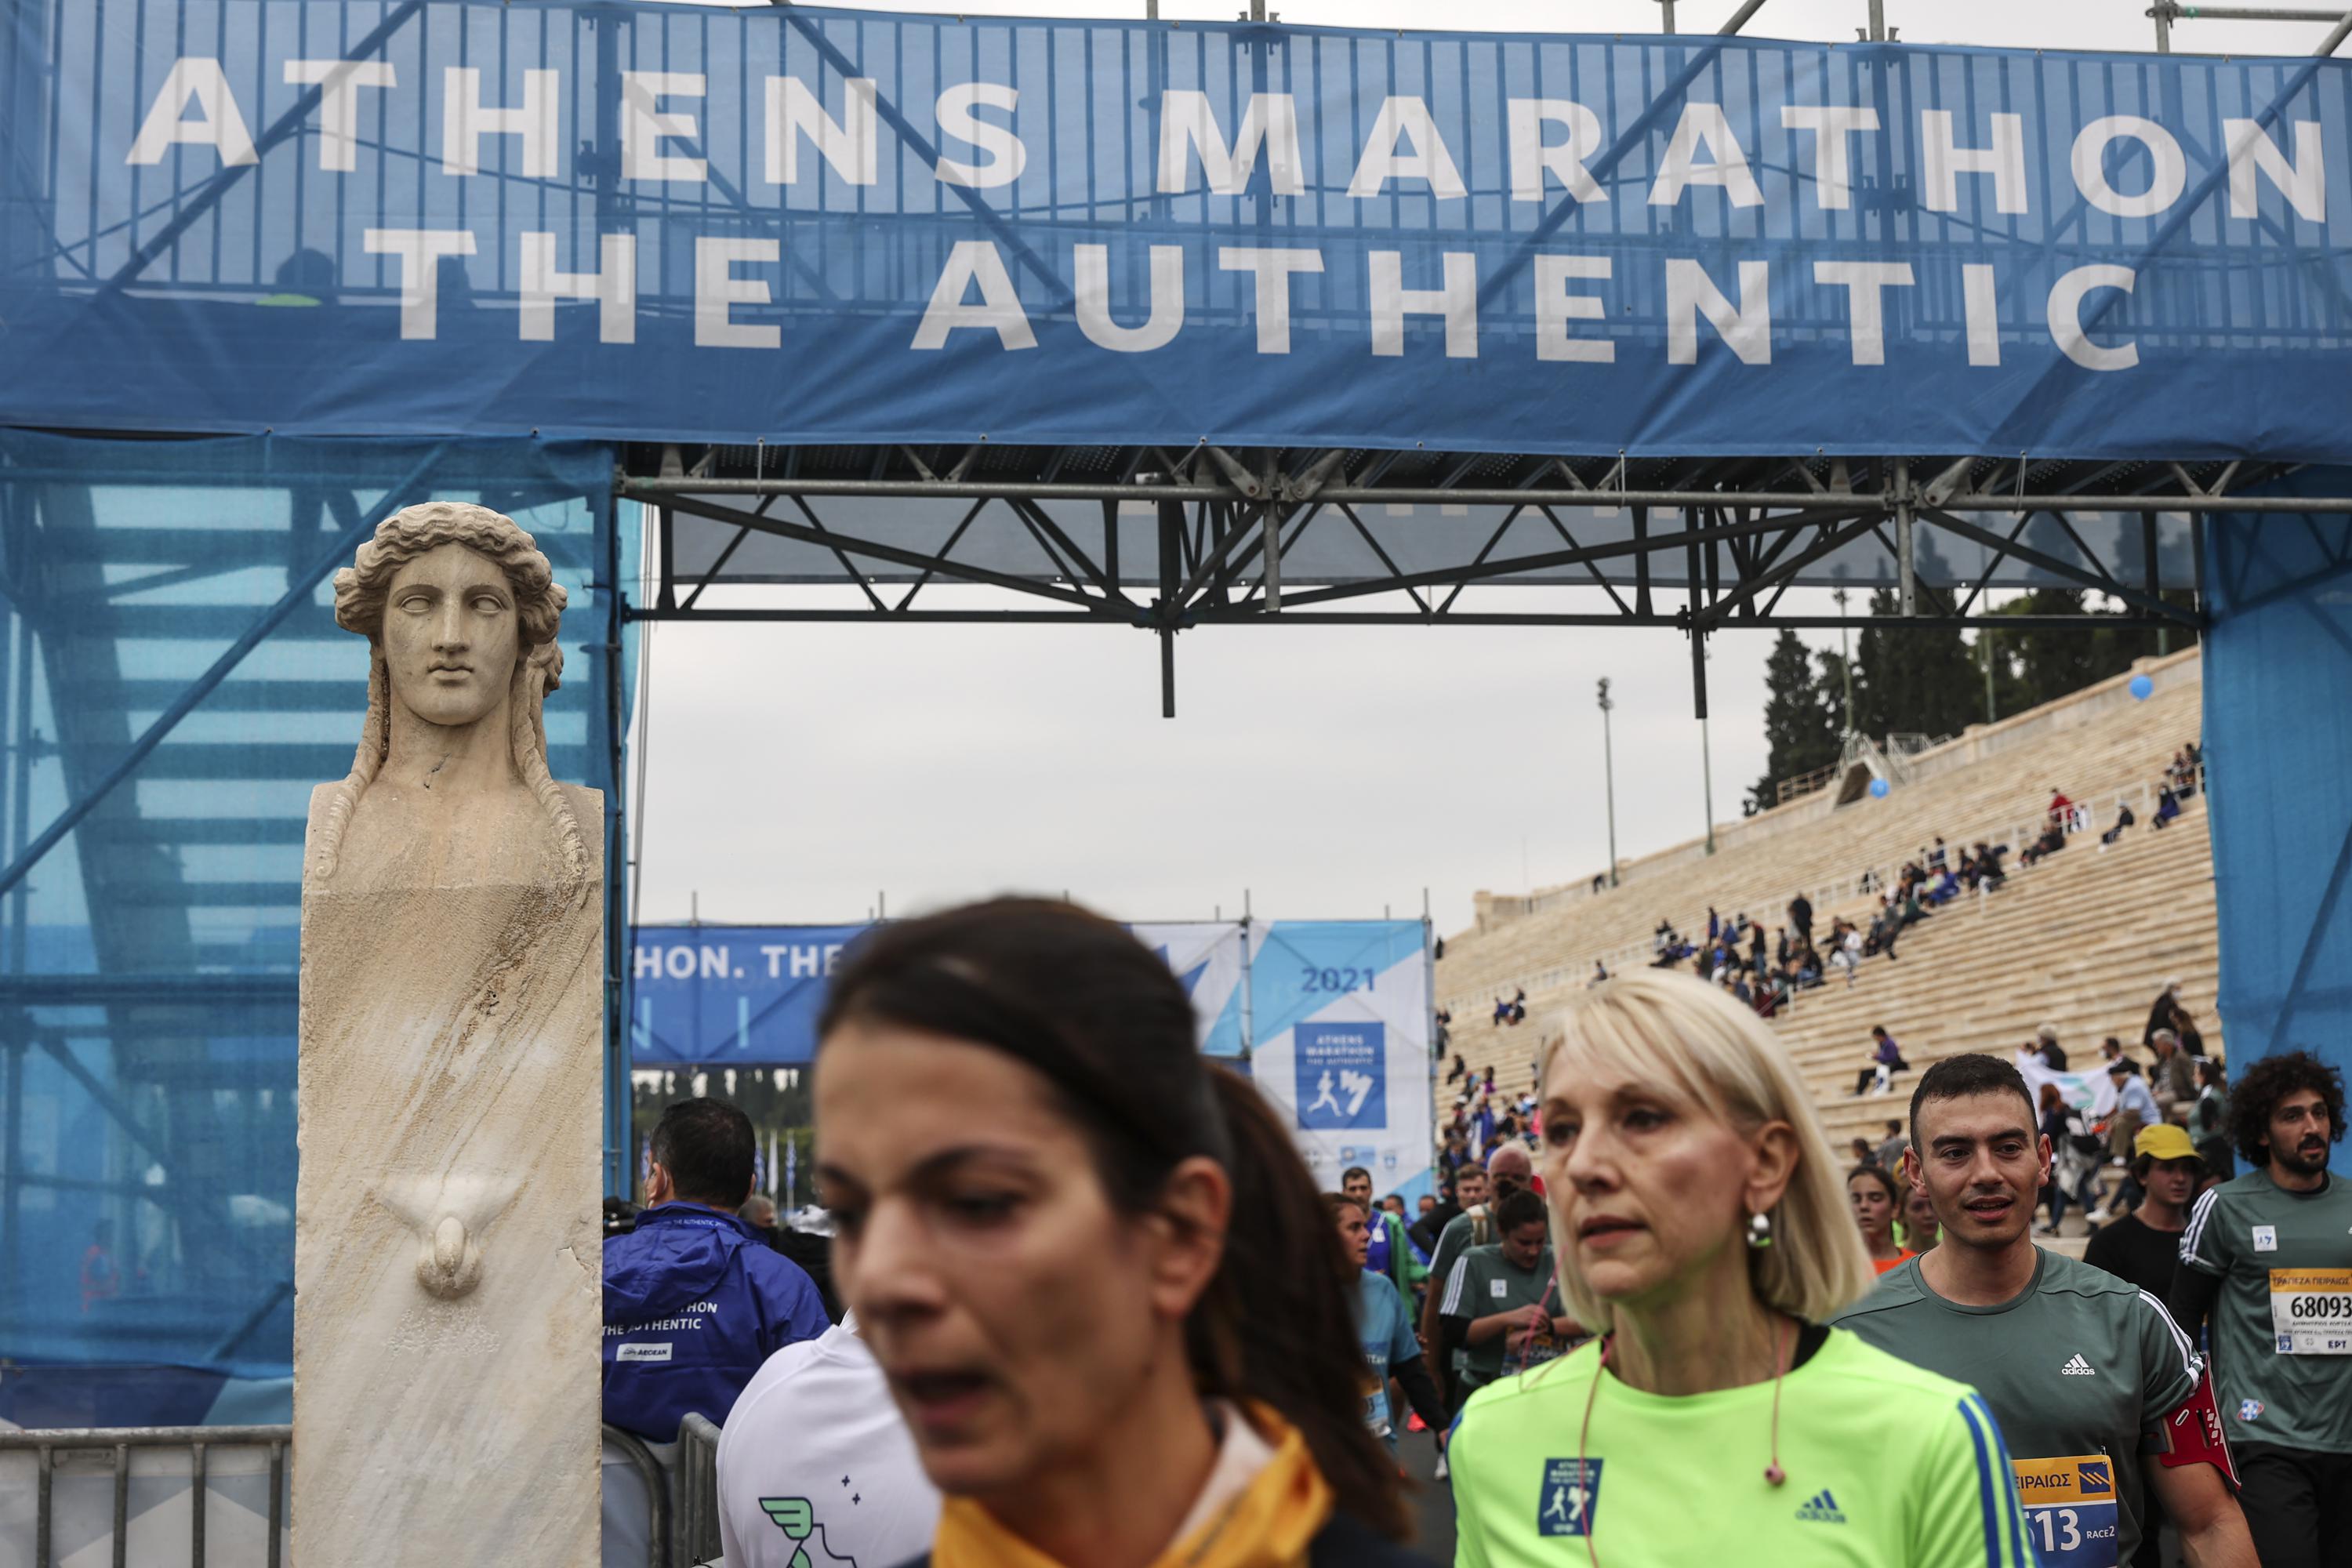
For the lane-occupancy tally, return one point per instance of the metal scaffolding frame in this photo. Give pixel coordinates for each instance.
(1716, 543)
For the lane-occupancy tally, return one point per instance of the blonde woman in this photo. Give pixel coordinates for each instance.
(1703, 1228)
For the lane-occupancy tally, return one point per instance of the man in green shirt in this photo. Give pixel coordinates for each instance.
(2269, 1258)
(1507, 1171)
(2086, 1373)
(1501, 1300)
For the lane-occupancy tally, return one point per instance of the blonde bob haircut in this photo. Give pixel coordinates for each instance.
(1670, 1029)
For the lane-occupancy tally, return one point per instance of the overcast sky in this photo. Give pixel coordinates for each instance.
(796, 771)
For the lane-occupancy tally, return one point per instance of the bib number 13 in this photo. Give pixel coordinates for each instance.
(2073, 1537)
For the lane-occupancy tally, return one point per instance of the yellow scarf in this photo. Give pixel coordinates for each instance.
(1269, 1524)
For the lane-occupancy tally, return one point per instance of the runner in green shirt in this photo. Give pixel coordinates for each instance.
(1704, 1230)
(2269, 1258)
(1507, 1171)
(2084, 1370)
(1500, 1302)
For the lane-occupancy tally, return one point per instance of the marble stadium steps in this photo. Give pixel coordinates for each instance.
(2094, 749)
(2083, 940)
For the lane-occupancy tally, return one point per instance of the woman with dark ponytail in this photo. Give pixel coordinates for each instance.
(1104, 1289)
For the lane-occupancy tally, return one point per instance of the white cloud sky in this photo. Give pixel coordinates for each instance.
(796, 771)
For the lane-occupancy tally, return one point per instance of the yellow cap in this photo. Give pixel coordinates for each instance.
(2164, 1141)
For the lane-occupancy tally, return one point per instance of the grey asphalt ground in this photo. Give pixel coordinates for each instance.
(1433, 1501)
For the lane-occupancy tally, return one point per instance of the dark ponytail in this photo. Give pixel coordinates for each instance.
(1099, 1014)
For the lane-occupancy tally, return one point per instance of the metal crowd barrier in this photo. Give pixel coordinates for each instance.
(683, 1532)
(49, 1445)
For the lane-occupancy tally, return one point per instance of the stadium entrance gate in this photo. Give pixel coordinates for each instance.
(1155, 325)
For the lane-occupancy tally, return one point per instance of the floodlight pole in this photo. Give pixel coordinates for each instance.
(1667, 7)
(1609, 774)
(1877, 21)
(1845, 664)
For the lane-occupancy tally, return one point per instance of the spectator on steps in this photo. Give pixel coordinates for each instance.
(2167, 807)
(2209, 1122)
(2029, 1058)
(1863, 1154)
(2059, 807)
(1801, 915)
(1886, 1060)
(2173, 1080)
(2053, 1055)
(2061, 1124)
(1990, 874)
(2135, 1109)
(2167, 1011)
(2124, 818)
(2053, 839)
(1845, 949)
(1936, 860)
(1891, 1147)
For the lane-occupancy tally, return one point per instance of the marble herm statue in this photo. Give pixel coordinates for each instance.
(446, 1217)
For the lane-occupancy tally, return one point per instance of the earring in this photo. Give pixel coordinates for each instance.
(1760, 1232)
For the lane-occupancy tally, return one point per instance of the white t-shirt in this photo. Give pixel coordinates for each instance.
(816, 1458)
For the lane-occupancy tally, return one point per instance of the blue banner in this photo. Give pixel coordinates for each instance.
(1341, 1009)
(400, 216)
(731, 995)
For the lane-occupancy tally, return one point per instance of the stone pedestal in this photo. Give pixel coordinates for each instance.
(447, 1274)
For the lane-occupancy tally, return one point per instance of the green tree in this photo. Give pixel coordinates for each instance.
(2033, 665)
(1912, 677)
(1801, 718)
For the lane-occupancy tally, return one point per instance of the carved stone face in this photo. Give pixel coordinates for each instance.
(450, 636)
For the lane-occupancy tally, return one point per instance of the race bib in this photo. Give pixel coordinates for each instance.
(2070, 1509)
(2311, 1311)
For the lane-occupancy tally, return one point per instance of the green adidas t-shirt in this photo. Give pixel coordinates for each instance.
(1483, 1283)
(2282, 1324)
(2079, 1367)
(1886, 1465)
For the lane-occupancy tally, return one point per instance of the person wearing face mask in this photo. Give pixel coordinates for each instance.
(2098, 1390)
(1102, 1290)
(1701, 1227)
(2268, 1257)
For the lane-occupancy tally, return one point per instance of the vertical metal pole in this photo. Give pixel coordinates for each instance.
(1845, 665)
(1609, 772)
(1877, 21)
(1905, 552)
(1668, 7)
(2163, 27)
(1984, 647)
(1271, 529)
(1705, 752)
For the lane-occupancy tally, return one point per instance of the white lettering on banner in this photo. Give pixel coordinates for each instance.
(613, 285)
(715, 963)
(1531, 160)
(1943, 161)
(1007, 155)
(1274, 266)
(717, 291)
(1091, 264)
(1982, 302)
(1866, 284)
(805, 962)
(219, 125)
(1188, 123)
(849, 144)
(1457, 302)
(1831, 125)
(1703, 125)
(2304, 182)
(2090, 162)
(1401, 117)
(466, 120)
(2066, 318)
(420, 251)
(832, 954)
(999, 310)
(339, 83)
(1691, 293)
(645, 127)
(679, 962)
(1556, 307)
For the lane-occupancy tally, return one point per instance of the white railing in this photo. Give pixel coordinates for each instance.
(1825, 898)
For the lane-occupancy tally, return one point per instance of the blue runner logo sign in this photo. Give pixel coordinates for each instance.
(1342, 1075)
(1570, 1497)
